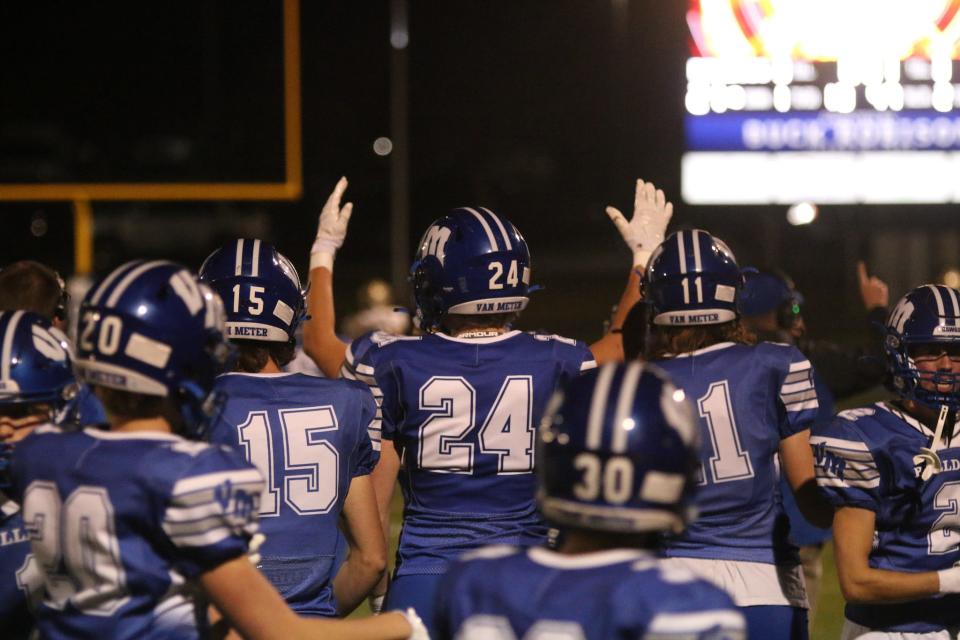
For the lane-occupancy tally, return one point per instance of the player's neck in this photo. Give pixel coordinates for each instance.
(579, 542)
(141, 424)
(270, 367)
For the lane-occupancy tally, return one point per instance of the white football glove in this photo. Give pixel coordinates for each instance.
(332, 228)
(253, 548)
(949, 580)
(645, 231)
(376, 603)
(419, 629)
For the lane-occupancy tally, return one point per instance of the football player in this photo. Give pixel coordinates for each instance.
(459, 403)
(128, 524)
(770, 307)
(307, 435)
(33, 286)
(617, 463)
(756, 404)
(36, 381)
(892, 471)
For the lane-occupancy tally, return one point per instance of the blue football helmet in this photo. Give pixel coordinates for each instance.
(692, 279)
(34, 362)
(925, 322)
(471, 261)
(150, 327)
(260, 289)
(618, 451)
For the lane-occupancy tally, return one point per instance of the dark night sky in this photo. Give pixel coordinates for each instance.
(543, 110)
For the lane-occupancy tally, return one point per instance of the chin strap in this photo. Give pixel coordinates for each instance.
(927, 459)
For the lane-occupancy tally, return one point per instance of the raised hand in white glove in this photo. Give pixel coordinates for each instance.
(419, 629)
(645, 231)
(253, 548)
(332, 228)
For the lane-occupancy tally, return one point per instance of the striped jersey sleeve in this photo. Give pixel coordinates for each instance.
(211, 511)
(798, 393)
(365, 457)
(846, 468)
(358, 366)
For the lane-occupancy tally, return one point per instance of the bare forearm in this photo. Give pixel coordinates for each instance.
(320, 339)
(877, 585)
(356, 578)
(609, 348)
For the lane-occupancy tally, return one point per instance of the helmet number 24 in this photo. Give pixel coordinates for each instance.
(496, 277)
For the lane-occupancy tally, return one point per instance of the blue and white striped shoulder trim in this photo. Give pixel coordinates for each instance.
(844, 463)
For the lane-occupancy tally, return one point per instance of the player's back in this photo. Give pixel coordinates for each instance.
(18, 574)
(120, 522)
(308, 436)
(462, 413)
(504, 593)
(748, 398)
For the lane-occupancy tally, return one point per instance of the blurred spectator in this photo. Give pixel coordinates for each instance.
(771, 308)
(32, 286)
(377, 312)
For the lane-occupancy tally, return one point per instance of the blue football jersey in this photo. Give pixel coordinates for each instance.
(308, 436)
(20, 579)
(84, 410)
(505, 593)
(120, 521)
(864, 459)
(461, 413)
(749, 398)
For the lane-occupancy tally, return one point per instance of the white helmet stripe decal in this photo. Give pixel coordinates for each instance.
(8, 344)
(102, 289)
(938, 298)
(695, 237)
(628, 391)
(683, 252)
(130, 277)
(238, 260)
(486, 227)
(956, 306)
(503, 230)
(598, 407)
(255, 269)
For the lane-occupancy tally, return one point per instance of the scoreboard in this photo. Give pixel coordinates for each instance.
(831, 101)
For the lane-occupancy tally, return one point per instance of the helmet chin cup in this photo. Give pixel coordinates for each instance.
(929, 463)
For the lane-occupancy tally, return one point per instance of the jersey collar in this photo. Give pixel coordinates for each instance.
(713, 347)
(906, 417)
(490, 340)
(100, 434)
(556, 560)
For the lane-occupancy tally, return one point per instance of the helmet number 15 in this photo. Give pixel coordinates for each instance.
(255, 307)
(496, 277)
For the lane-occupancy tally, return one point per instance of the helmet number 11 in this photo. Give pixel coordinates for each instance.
(698, 285)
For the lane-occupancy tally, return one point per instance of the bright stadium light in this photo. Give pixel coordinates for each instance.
(951, 277)
(382, 146)
(802, 213)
